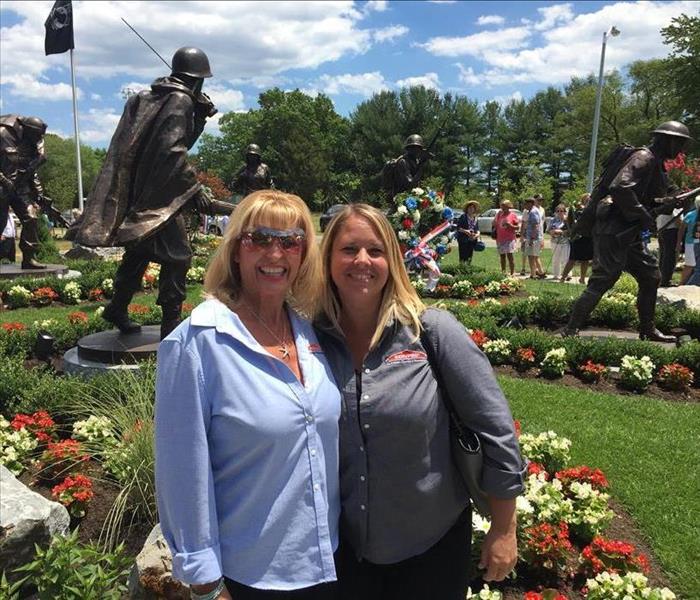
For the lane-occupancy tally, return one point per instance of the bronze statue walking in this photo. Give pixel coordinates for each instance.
(626, 198)
(21, 154)
(254, 175)
(405, 172)
(146, 187)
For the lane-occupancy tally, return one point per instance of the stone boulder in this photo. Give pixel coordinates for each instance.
(683, 296)
(26, 518)
(151, 577)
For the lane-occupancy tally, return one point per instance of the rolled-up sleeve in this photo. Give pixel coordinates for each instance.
(480, 403)
(184, 481)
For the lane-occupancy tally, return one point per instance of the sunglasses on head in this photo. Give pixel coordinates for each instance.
(289, 240)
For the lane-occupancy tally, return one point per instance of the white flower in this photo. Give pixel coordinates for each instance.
(402, 210)
(403, 235)
(417, 191)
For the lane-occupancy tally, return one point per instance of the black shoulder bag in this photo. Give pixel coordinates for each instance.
(465, 445)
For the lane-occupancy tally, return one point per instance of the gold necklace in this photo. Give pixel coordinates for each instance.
(283, 347)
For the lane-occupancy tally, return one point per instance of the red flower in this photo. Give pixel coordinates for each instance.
(546, 546)
(40, 425)
(479, 337)
(74, 492)
(13, 326)
(187, 307)
(77, 318)
(516, 424)
(44, 296)
(534, 468)
(614, 556)
(96, 295)
(583, 474)
(407, 223)
(138, 309)
(66, 449)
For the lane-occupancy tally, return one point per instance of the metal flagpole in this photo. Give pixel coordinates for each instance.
(77, 134)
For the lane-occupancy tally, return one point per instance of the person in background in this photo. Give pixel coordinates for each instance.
(405, 525)
(695, 276)
(533, 239)
(581, 246)
(559, 231)
(246, 425)
(686, 236)
(7, 239)
(468, 231)
(506, 225)
(523, 241)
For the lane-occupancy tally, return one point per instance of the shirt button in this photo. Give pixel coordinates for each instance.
(317, 487)
(362, 477)
(366, 370)
(309, 418)
(363, 507)
(366, 425)
(365, 397)
(313, 453)
(362, 448)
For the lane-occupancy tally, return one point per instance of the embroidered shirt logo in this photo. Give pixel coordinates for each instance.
(406, 356)
(315, 348)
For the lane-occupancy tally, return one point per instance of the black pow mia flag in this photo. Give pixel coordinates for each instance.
(59, 28)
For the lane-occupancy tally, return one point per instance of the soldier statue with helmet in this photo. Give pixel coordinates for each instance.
(405, 172)
(632, 189)
(254, 175)
(146, 186)
(21, 154)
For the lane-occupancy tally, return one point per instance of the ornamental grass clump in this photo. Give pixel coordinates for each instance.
(498, 351)
(636, 373)
(554, 363)
(630, 586)
(675, 377)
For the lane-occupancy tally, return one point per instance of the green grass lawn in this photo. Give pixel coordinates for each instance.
(648, 449)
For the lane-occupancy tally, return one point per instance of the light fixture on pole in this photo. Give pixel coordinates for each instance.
(613, 32)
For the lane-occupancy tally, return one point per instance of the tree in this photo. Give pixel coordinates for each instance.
(683, 34)
(59, 174)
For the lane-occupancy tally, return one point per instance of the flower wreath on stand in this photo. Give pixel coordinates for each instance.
(423, 225)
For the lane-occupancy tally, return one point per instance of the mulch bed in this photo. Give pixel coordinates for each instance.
(609, 385)
(90, 526)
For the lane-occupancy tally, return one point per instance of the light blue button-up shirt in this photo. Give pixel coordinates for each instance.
(246, 455)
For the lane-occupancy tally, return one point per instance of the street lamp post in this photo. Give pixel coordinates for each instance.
(614, 32)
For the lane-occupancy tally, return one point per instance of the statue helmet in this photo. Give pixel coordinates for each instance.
(413, 140)
(253, 149)
(673, 128)
(191, 61)
(33, 123)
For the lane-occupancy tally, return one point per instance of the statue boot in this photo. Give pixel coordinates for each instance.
(171, 318)
(116, 312)
(646, 307)
(580, 312)
(29, 244)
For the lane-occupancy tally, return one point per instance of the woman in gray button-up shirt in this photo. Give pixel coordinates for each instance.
(405, 526)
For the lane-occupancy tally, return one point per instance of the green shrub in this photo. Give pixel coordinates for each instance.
(626, 284)
(550, 310)
(70, 570)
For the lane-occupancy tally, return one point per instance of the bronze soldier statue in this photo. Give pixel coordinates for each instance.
(254, 175)
(638, 190)
(146, 186)
(405, 172)
(21, 154)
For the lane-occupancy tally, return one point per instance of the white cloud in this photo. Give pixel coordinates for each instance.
(98, 125)
(268, 37)
(376, 6)
(476, 44)
(442, 1)
(490, 20)
(389, 34)
(94, 96)
(364, 84)
(429, 80)
(552, 15)
(505, 100)
(225, 99)
(29, 87)
(561, 45)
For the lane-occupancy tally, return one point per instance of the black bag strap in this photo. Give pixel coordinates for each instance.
(468, 439)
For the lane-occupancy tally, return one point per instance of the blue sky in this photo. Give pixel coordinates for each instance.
(348, 50)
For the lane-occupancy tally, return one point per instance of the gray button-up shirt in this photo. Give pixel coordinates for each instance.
(400, 491)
